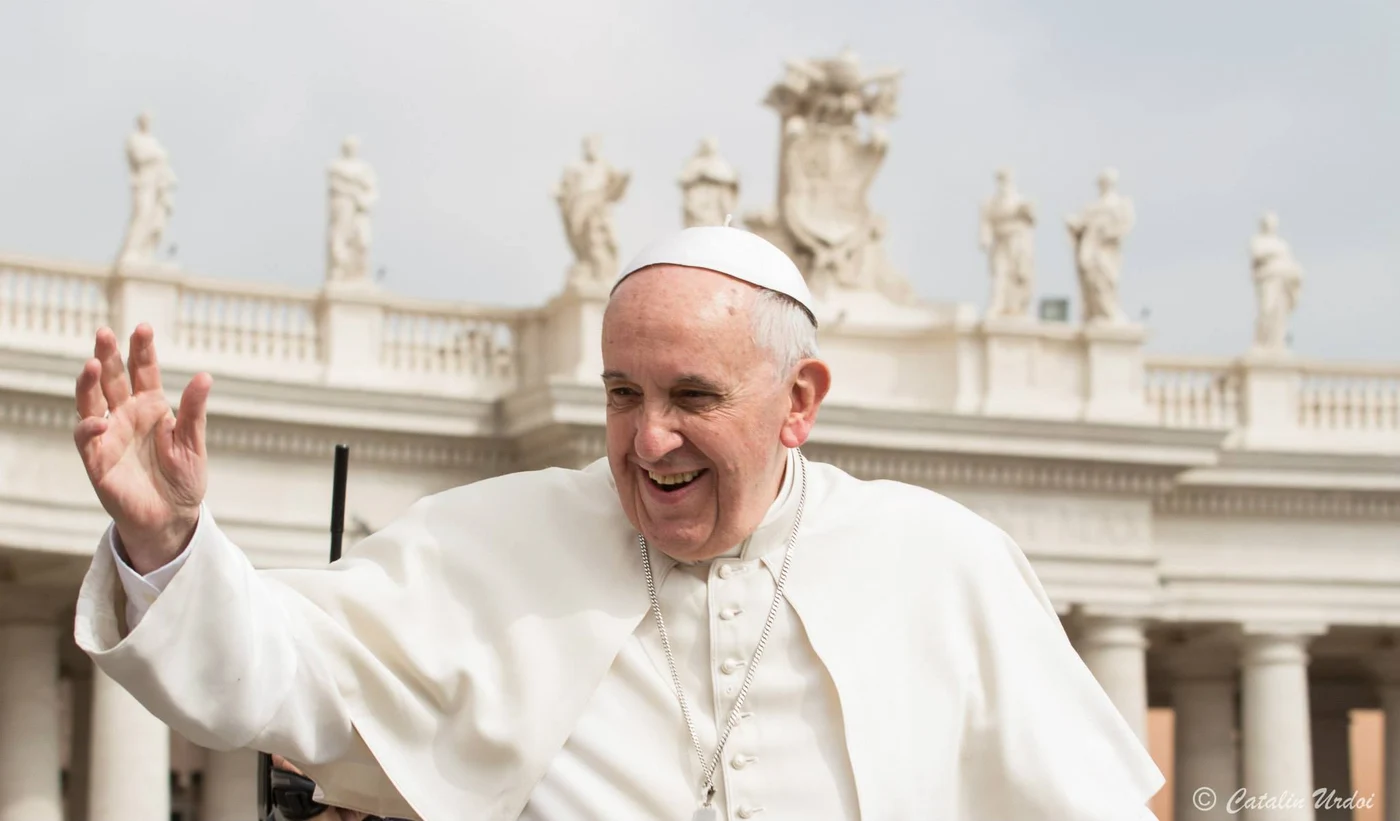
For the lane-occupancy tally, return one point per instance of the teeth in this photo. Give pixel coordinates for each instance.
(672, 479)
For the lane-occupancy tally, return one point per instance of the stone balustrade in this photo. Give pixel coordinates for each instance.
(1193, 392)
(349, 336)
(49, 305)
(1333, 403)
(1349, 397)
(357, 336)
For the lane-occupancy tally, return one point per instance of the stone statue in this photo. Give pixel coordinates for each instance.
(585, 194)
(825, 169)
(1277, 280)
(352, 192)
(1097, 233)
(152, 195)
(1006, 232)
(709, 187)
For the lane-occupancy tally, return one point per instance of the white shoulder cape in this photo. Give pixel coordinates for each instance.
(435, 670)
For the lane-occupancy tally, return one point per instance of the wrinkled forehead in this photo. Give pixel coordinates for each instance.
(679, 292)
(680, 320)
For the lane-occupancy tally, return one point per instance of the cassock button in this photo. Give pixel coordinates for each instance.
(726, 571)
(749, 812)
(741, 761)
(729, 613)
(730, 665)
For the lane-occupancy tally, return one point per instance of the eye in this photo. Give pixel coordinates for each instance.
(621, 392)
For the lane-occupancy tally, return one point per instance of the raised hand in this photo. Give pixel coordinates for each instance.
(147, 465)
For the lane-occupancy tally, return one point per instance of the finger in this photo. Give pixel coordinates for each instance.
(91, 402)
(190, 422)
(141, 360)
(114, 383)
(87, 435)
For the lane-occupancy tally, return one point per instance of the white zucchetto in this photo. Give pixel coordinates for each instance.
(733, 252)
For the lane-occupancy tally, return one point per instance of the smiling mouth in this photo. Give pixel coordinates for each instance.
(671, 482)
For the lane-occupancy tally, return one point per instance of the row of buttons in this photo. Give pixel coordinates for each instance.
(729, 667)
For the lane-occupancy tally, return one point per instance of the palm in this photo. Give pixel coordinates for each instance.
(134, 471)
(147, 468)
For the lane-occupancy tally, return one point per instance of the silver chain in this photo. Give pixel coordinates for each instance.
(709, 769)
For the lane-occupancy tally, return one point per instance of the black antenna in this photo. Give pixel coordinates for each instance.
(342, 467)
(341, 473)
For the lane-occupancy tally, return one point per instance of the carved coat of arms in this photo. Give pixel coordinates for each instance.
(823, 219)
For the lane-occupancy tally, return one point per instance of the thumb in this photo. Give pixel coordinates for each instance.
(190, 422)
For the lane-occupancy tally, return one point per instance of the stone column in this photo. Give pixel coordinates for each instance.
(230, 786)
(1115, 650)
(1331, 741)
(1207, 758)
(129, 752)
(1390, 703)
(30, 722)
(1277, 725)
(1386, 666)
(80, 738)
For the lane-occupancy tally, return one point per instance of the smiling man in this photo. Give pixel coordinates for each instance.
(703, 625)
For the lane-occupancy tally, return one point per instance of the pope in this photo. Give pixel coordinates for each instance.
(701, 625)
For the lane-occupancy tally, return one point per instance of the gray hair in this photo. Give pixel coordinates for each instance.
(782, 326)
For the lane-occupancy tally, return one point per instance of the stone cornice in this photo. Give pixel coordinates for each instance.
(564, 445)
(285, 439)
(1178, 446)
(942, 470)
(34, 377)
(1200, 501)
(486, 455)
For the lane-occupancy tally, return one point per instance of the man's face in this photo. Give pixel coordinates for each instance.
(694, 402)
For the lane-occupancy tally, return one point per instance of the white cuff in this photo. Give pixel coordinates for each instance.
(141, 591)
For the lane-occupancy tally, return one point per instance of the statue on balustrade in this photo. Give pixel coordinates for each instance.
(1277, 279)
(709, 187)
(1006, 232)
(352, 193)
(826, 167)
(1098, 232)
(586, 194)
(152, 195)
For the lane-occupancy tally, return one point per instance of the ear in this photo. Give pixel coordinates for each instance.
(809, 388)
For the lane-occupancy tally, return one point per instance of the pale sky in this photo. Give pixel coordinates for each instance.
(1212, 112)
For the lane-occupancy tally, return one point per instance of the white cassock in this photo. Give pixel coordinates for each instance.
(492, 655)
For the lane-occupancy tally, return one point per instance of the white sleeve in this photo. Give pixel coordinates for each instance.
(141, 591)
(225, 656)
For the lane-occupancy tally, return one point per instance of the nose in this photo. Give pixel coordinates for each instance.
(656, 434)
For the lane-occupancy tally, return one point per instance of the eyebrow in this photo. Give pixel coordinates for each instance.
(693, 379)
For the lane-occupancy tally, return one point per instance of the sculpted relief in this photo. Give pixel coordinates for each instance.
(585, 194)
(1006, 232)
(1097, 233)
(152, 195)
(1277, 280)
(709, 187)
(352, 192)
(826, 166)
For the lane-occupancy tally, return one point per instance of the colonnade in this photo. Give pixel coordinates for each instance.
(116, 754)
(1244, 719)
(1247, 726)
